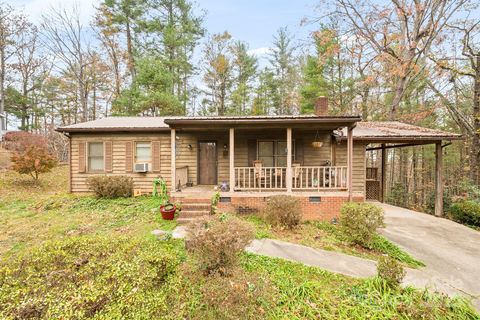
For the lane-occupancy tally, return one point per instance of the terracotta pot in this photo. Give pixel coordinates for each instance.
(168, 211)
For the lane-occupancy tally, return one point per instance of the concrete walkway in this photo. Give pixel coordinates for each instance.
(450, 251)
(328, 260)
(350, 265)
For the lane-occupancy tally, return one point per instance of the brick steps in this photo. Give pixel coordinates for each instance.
(193, 208)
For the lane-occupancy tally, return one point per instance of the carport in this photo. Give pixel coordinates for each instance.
(392, 134)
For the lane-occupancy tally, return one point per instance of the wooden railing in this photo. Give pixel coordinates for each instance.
(319, 178)
(251, 178)
(303, 178)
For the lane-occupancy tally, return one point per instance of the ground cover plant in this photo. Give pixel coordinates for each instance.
(95, 258)
(328, 236)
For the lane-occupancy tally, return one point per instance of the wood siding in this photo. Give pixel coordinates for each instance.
(123, 149)
(120, 144)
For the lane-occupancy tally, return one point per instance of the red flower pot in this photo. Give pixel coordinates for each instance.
(168, 211)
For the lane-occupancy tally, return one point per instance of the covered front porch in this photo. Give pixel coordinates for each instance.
(297, 155)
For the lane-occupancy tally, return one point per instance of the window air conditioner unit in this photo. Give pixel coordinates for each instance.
(141, 167)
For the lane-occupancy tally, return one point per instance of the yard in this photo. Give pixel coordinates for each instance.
(67, 256)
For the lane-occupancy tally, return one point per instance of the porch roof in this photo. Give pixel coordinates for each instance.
(395, 131)
(138, 124)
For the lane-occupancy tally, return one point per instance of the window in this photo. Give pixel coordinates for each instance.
(274, 153)
(95, 156)
(143, 152)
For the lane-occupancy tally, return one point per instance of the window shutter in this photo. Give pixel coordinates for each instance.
(81, 157)
(252, 152)
(156, 156)
(299, 151)
(128, 156)
(108, 156)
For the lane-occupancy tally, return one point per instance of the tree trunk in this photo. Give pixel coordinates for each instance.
(399, 91)
(475, 149)
(131, 59)
(3, 121)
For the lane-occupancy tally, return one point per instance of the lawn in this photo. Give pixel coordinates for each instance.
(76, 257)
(324, 235)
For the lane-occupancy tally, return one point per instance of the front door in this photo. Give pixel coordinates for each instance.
(207, 162)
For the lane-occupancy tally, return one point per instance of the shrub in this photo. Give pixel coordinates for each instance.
(390, 270)
(33, 161)
(87, 277)
(18, 141)
(217, 241)
(359, 222)
(111, 186)
(283, 211)
(466, 212)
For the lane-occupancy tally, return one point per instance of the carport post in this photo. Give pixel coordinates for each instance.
(438, 180)
(350, 163)
(384, 165)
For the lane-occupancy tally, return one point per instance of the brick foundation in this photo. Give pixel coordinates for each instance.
(326, 209)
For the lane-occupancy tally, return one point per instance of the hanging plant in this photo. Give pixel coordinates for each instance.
(317, 144)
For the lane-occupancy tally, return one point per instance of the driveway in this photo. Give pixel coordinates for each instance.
(450, 251)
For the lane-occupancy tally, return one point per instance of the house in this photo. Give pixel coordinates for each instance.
(318, 158)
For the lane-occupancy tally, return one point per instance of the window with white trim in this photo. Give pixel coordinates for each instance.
(96, 161)
(143, 152)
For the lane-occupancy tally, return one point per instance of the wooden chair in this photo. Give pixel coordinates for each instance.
(259, 173)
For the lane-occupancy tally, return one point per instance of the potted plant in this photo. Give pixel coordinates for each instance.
(168, 211)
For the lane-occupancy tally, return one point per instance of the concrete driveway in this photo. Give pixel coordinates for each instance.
(450, 251)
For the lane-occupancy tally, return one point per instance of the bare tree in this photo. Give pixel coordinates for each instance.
(401, 33)
(466, 68)
(65, 36)
(11, 23)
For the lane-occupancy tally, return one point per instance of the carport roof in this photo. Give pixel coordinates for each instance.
(395, 131)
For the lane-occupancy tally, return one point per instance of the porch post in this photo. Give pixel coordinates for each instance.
(232, 159)
(438, 180)
(289, 160)
(172, 157)
(350, 162)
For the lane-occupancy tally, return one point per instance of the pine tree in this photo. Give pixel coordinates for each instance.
(245, 69)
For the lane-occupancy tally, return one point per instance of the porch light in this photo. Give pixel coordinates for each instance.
(190, 147)
(225, 147)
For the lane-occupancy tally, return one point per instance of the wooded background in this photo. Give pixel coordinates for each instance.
(416, 61)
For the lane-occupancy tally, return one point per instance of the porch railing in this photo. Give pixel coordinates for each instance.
(251, 178)
(303, 178)
(319, 178)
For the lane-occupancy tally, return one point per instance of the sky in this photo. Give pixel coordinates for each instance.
(252, 21)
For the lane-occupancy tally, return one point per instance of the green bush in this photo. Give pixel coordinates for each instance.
(216, 241)
(111, 186)
(466, 212)
(85, 277)
(391, 271)
(283, 211)
(359, 222)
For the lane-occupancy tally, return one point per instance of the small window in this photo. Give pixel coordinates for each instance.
(95, 156)
(143, 152)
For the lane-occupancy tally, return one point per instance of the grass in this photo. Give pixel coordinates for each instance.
(77, 257)
(324, 235)
(33, 213)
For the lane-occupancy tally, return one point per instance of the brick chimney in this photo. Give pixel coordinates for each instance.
(321, 106)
